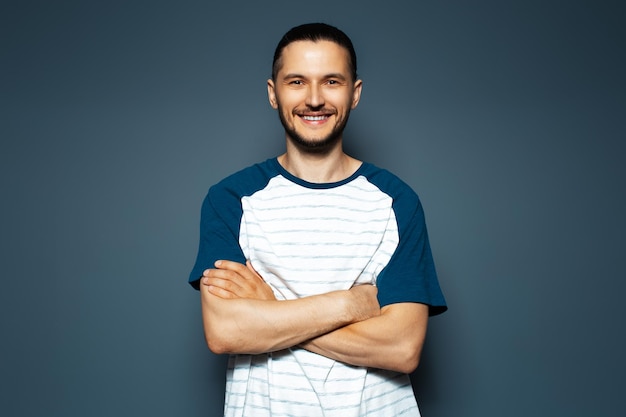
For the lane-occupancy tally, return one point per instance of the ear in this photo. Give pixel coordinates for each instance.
(356, 94)
(271, 94)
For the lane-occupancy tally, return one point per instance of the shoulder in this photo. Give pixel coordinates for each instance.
(244, 182)
(402, 194)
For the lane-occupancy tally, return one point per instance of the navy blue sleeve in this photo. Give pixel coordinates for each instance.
(219, 231)
(410, 275)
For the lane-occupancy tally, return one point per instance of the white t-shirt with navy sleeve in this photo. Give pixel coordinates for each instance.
(306, 239)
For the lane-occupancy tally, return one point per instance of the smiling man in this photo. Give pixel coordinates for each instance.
(314, 268)
(314, 91)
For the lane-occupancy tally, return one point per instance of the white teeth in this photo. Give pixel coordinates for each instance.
(314, 118)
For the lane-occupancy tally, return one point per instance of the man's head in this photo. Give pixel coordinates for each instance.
(314, 86)
(315, 32)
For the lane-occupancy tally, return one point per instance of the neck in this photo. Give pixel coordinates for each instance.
(325, 167)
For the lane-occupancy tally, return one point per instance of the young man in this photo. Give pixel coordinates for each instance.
(314, 268)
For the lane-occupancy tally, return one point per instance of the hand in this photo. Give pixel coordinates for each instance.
(235, 280)
(365, 302)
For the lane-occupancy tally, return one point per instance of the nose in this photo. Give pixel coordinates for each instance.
(314, 98)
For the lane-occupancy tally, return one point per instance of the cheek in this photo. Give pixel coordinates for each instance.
(341, 100)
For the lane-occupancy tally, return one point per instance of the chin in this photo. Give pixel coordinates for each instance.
(320, 145)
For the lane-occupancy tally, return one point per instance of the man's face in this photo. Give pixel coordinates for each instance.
(314, 93)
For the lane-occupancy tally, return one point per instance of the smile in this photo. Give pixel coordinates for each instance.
(314, 118)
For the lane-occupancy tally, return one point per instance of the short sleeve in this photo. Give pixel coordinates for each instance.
(219, 231)
(410, 275)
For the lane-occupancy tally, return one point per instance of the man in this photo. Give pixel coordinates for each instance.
(314, 268)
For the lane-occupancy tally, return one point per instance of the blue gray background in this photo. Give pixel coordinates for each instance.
(507, 117)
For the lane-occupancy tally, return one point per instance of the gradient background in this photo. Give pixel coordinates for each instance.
(507, 117)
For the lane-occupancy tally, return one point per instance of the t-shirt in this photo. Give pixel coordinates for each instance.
(308, 238)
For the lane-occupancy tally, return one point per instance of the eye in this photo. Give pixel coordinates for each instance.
(295, 82)
(333, 82)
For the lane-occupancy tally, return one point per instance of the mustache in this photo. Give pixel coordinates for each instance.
(314, 111)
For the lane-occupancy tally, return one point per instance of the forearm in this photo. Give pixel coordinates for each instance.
(390, 341)
(257, 326)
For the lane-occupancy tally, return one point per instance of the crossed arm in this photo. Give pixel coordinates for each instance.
(241, 315)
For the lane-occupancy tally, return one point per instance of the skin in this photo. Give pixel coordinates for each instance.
(241, 315)
(313, 93)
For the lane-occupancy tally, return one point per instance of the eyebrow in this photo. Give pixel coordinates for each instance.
(327, 76)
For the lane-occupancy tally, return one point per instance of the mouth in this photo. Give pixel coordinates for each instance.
(315, 118)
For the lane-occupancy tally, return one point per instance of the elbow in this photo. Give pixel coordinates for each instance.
(220, 333)
(214, 344)
(218, 346)
(230, 341)
(221, 346)
(216, 337)
(408, 359)
(404, 364)
(409, 365)
(219, 343)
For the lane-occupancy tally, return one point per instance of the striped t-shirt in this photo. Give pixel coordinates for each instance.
(305, 239)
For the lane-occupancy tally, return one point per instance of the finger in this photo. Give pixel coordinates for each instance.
(221, 292)
(225, 284)
(229, 265)
(244, 270)
(224, 274)
(213, 273)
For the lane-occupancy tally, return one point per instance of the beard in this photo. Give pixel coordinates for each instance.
(314, 145)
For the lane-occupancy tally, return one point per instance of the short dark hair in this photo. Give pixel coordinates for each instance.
(314, 32)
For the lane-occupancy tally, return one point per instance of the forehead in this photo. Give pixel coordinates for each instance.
(308, 57)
